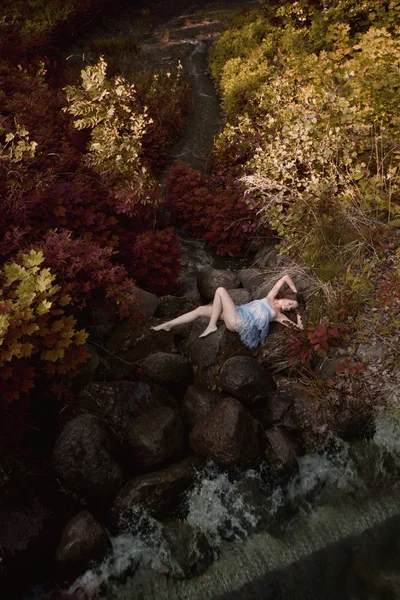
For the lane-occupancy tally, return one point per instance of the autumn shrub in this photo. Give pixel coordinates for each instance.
(34, 324)
(87, 269)
(156, 260)
(212, 208)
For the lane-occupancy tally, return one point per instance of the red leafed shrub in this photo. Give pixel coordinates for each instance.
(85, 268)
(213, 208)
(315, 340)
(156, 261)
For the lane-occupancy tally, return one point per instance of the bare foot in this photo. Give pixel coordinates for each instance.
(163, 327)
(208, 330)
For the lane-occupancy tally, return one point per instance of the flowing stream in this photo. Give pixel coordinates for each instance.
(323, 534)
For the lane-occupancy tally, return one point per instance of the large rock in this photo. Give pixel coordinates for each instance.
(159, 493)
(304, 285)
(147, 302)
(196, 404)
(83, 544)
(187, 551)
(279, 403)
(194, 254)
(166, 367)
(208, 280)
(171, 306)
(227, 434)
(207, 354)
(119, 402)
(239, 296)
(84, 458)
(281, 449)
(155, 438)
(268, 257)
(248, 381)
(251, 279)
(33, 513)
(128, 347)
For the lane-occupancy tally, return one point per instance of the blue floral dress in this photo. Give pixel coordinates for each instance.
(252, 322)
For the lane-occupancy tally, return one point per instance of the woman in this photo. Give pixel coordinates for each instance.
(251, 320)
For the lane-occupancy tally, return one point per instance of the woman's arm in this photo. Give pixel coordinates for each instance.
(285, 279)
(281, 318)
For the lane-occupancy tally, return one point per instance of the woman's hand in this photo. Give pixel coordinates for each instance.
(299, 322)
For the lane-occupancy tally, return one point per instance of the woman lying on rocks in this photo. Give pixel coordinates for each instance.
(251, 320)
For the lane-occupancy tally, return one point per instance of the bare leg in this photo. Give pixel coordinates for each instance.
(201, 311)
(223, 307)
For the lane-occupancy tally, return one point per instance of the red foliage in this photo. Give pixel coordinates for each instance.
(86, 268)
(156, 263)
(315, 340)
(213, 208)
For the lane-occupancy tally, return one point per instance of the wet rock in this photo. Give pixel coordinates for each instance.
(147, 302)
(251, 279)
(83, 544)
(83, 457)
(248, 381)
(197, 403)
(227, 434)
(239, 296)
(131, 346)
(375, 466)
(281, 449)
(165, 367)
(155, 438)
(188, 552)
(208, 280)
(170, 307)
(33, 513)
(278, 405)
(119, 402)
(159, 493)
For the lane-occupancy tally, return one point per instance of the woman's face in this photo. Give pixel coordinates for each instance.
(285, 304)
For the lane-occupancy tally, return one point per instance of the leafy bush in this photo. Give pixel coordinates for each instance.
(212, 208)
(34, 324)
(117, 123)
(156, 260)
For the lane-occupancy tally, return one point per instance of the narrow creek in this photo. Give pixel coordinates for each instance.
(330, 530)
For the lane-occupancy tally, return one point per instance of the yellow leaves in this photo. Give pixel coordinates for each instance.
(64, 300)
(80, 337)
(4, 320)
(44, 280)
(43, 307)
(32, 259)
(12, 273)
(53, 355)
